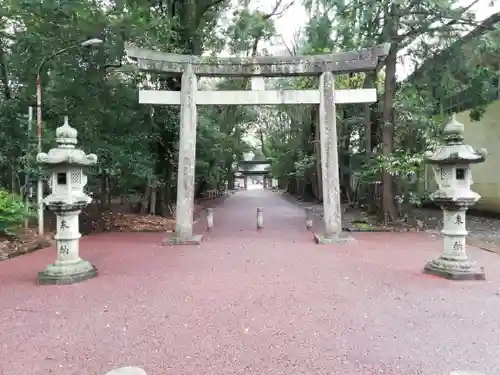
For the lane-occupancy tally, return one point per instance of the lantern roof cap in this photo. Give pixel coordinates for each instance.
(66, 134)
(453, 150)
(454, 128)
(65, 153)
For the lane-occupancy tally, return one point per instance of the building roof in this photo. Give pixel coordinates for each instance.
(254, 167)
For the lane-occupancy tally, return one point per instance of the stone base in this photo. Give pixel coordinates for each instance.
(127, 371)
(67, 274)
(441, 267)
(335, 240)
(173, 240)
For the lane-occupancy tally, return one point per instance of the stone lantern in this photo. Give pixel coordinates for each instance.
(451, 162)
(66, 200)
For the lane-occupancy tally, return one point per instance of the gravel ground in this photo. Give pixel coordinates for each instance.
(251, 302)
(483, 231)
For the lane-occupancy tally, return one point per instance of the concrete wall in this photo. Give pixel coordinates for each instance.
(483, 134)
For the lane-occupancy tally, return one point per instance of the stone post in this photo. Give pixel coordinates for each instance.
(210, 218)
(187, 161)
(264, 182)
(226, 187)
(309, 221)
(260, 218)
(245, 183)
(329, 163)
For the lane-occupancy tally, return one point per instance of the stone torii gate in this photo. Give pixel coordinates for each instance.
(255, 168)
(325, 66)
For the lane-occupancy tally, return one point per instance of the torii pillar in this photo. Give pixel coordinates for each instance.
(187, 161)
(332, 209)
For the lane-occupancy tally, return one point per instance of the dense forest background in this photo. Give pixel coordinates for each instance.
(381, 145)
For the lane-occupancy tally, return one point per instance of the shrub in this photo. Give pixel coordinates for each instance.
(12, 212)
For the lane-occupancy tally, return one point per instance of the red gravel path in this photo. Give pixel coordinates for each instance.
(251, 303)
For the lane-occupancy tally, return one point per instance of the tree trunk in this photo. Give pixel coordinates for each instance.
(14, 177)
(154, 193)
(109, 191)
(146, 197)
(103, 196)
(389, 210)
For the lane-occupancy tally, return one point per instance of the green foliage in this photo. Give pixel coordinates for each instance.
(137, 144)
(401, 163)
(304, 164)
(247, 27)
(405, 167)
(12, 212)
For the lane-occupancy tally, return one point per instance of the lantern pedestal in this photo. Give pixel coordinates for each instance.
(68, 267)
(454, 264)
(453, 270)
(176, 240)
(336, 239)
(57, 274)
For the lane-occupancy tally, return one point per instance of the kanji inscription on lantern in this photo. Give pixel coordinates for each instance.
(64, 225)
(457, 247)
(64, 250)
(459, 220)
